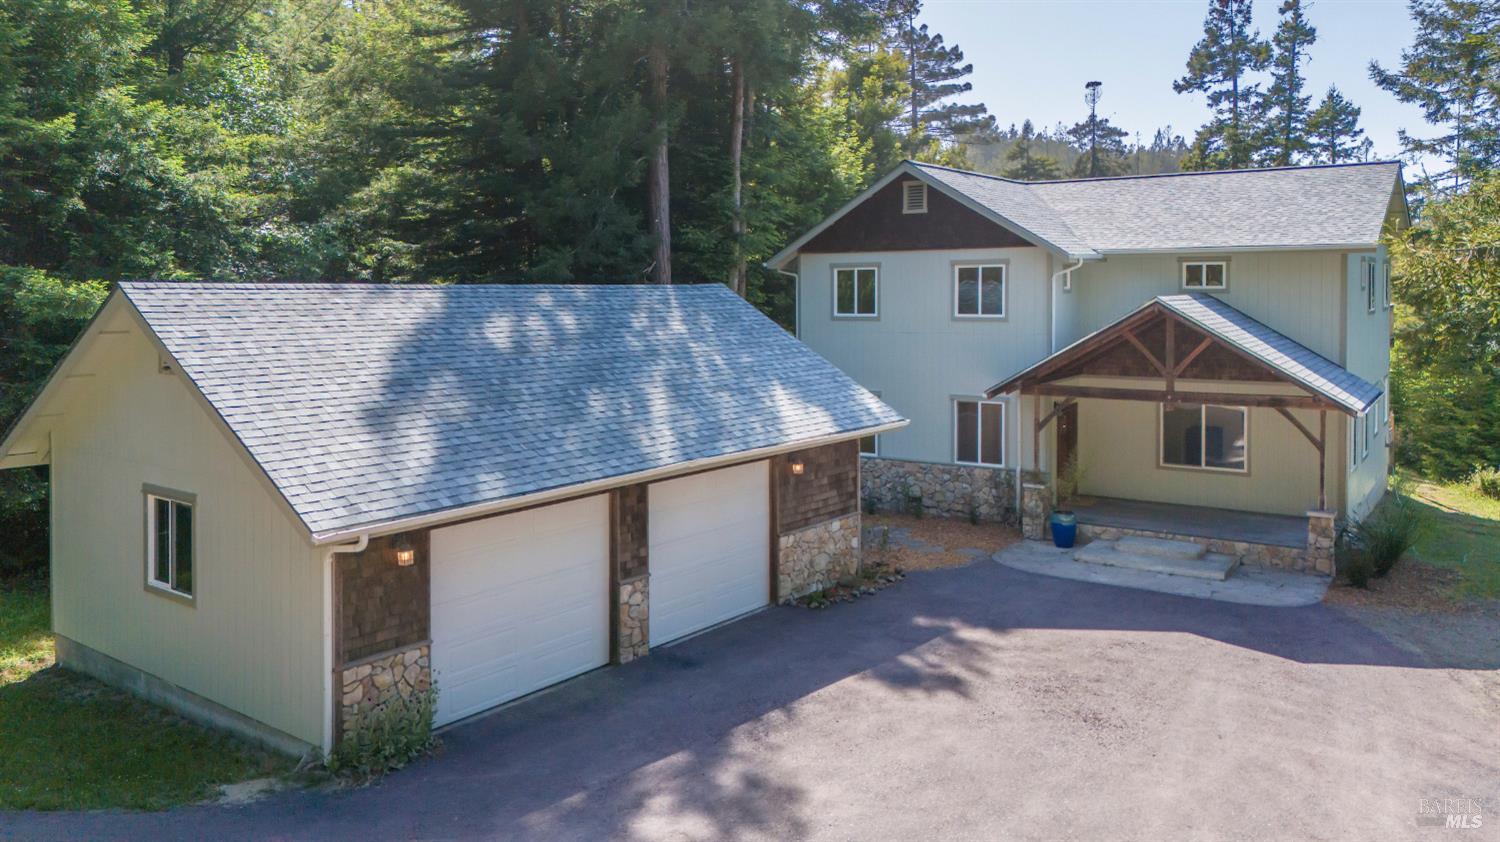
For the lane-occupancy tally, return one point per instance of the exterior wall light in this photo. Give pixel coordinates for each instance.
(798, 468)
(406, 554)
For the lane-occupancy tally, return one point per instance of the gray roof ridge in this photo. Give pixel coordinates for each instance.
(1142, 176)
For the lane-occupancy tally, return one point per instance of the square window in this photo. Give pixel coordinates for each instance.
(1211, 274)
(979, 432)
(869, 446)
(979, 291)
(169, 551)
(854, 292)
(1205, 436)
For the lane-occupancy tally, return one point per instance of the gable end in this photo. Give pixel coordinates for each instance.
(882, 223)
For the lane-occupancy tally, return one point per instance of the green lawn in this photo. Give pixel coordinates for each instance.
(69, 742)
(1464, 534)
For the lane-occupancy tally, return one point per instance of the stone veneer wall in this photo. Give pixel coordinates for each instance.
(630, 573)
(1036, 508)
(369, 685)
(958, 491)
(1256, 555)
(1321, 532)
(816, 557)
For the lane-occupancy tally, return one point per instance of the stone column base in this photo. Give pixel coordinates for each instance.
(369, 685)
(1036, 507)
(633, 634)
(817, 556)
(1320, 537)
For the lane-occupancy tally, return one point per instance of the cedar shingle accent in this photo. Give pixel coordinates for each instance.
(627, 531)
(877, 224)
(828, 487)
(383, 607)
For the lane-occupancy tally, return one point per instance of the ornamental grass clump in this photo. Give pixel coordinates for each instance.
(387, 738)
(1387, 533)
(1486, 481)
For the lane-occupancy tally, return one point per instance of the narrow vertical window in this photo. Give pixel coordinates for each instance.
(854, 291)
(169, 548)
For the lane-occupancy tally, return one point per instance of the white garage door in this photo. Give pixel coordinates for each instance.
(710, 549)
(518, 602)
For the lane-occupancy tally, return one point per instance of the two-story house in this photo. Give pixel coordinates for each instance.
(1206, 353)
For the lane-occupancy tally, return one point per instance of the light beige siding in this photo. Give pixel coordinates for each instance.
(916, 355)
(253, 638)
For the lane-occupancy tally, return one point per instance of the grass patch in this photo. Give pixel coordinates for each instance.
(71, 743)
(1464, 535)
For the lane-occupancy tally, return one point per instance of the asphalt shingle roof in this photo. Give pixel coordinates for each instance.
(367, 404)
(1293, 359)
(1289, 207)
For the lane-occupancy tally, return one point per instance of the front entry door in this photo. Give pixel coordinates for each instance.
(1067, 435)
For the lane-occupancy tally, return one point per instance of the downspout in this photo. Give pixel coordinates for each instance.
(1066, 270)
(329, 689)
(796, 301)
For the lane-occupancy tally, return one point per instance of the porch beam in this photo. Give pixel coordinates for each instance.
(1320, 442)
(1146, 352)
(1042, 423)
(1161, 396)
(1316, 441)
(1192, 355)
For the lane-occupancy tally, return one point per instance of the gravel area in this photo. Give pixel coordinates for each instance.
(933, 543)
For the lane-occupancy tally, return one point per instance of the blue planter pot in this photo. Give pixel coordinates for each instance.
(1064, 529)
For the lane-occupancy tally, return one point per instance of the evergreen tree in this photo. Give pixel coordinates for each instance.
(1024, 164)
(1284, 126)
(1101, 146)
(1333, 132)
(933, 71)
(1450, 71)
(1218, 66)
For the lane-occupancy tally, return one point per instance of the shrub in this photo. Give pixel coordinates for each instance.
(1486, 481)
(387, 738)
(1387, 533)
(1352, 562)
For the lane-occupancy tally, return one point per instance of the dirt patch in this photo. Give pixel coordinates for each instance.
(1410, 585)
(933, 543)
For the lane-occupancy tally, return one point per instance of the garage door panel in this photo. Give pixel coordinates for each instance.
(709, 549)
(519, 602)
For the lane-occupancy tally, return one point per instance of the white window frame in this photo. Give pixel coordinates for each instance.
(1364, 452)
(1385, 284)
(1369, 285)
(979, 433)
(188, 501)
(1161, 439)
(874, 442)
(1205, 263)
(910, 189)
(855, 270)
(979, 299)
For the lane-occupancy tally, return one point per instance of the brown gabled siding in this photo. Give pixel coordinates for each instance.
(877, 224)
(828, 487)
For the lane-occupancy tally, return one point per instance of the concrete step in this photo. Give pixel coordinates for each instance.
(1164, 547)
(1211, 566)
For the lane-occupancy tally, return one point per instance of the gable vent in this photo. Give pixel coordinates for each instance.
(913, 197)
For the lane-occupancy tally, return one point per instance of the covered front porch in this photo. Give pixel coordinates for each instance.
(1189, 420)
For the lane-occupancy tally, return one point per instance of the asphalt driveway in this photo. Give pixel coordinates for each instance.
(973, 703)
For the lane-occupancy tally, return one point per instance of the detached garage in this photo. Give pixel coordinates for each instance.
(276, 507)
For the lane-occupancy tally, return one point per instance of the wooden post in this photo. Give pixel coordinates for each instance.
(1036, 434)
(1171, 366)
(1322, 459)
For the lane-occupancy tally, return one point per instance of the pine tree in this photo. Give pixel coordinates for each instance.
(1101, 145)
(1024, 164)
(1451, 71)
(933, 71)
(1333, 131)
(1218, 66)
(1284, 127)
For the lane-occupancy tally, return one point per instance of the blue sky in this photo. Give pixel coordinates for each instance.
(1032, 57)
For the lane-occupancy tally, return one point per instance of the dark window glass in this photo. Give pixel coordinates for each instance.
(844, 281)
(1182, 435)
(968, 431)
(968, 291)
(162, 517)
(866, 278)
(991, 415)
(1224, 438)
(992, 298)
(1194, 275)
(867, 445)
(1213, 275)
(182, 550)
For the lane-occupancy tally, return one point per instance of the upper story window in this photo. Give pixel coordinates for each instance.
(1356, 432)
(169, 542)
(979, 432)
(913, 197)
(1369, 285)
(854, 291)
(1385, 282)
(1195, 435)
(979, 291)
(869, 446)
(1205, 274)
